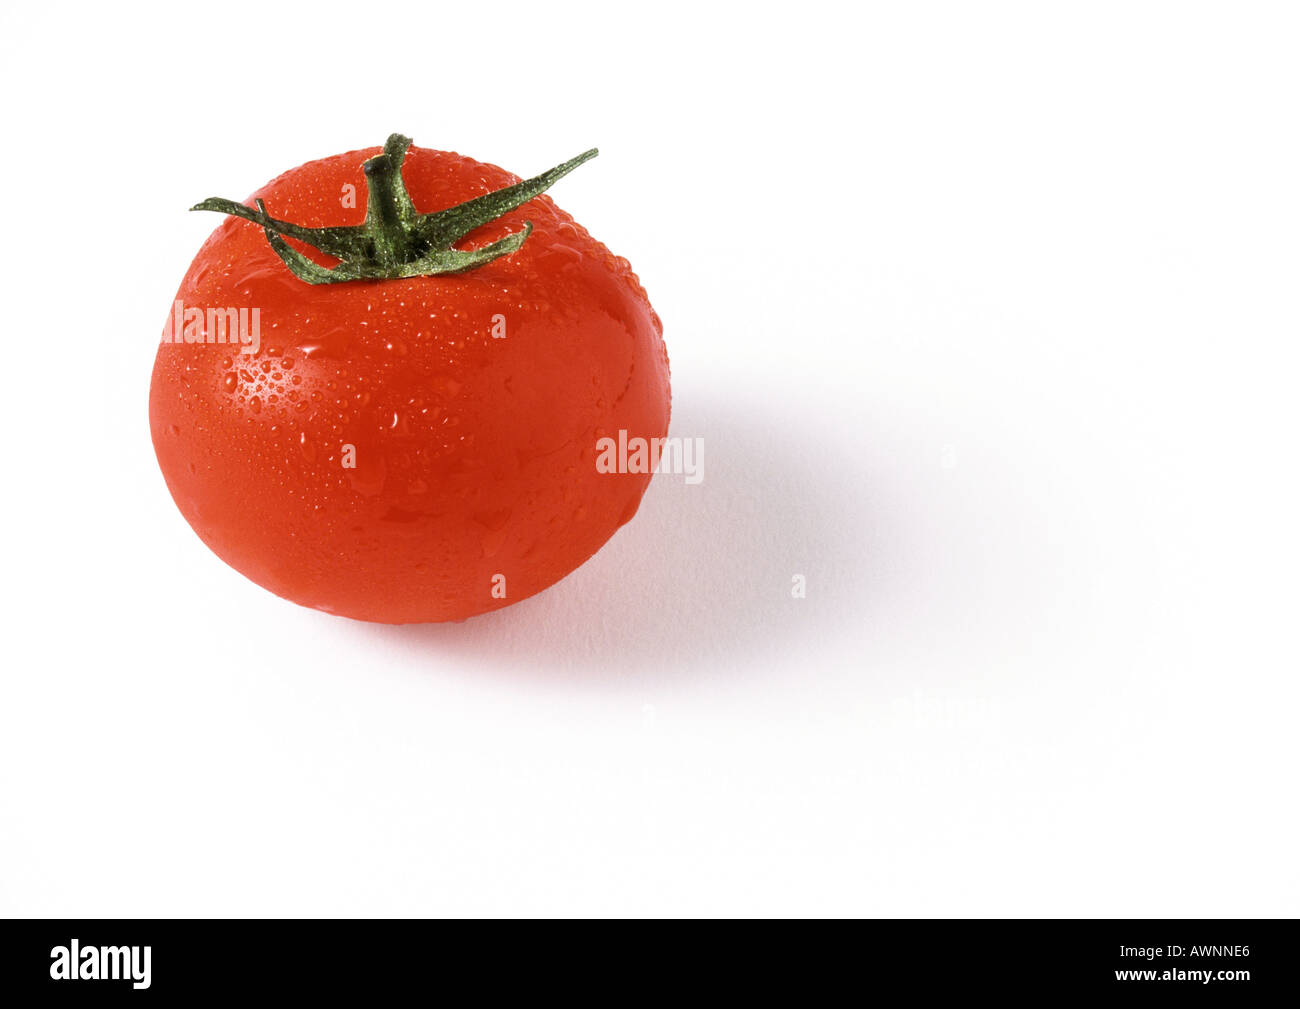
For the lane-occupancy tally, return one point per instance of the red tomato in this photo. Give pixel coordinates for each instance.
(412, 449)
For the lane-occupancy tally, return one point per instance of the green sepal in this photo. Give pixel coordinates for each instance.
(396, 240)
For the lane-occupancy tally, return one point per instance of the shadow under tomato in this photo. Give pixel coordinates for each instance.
(703, 578)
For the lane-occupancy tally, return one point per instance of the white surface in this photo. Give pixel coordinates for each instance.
(988, 318)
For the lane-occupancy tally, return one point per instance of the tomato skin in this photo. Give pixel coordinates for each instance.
(474, 455)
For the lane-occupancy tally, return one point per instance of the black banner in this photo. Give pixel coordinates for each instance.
(377, 960)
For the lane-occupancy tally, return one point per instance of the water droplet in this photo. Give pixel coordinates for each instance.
(308, 448)
(495, 526)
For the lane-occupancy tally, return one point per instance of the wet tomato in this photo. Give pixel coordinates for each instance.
(390, 413)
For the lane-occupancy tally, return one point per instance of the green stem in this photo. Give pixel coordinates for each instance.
(396, 240)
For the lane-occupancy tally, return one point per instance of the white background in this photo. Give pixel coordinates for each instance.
(987, 315)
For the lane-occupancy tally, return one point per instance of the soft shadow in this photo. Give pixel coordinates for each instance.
(700, 581)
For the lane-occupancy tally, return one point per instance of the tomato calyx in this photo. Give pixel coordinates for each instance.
(396, 240)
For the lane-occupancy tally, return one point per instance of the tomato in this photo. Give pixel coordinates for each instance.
(406, 448)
